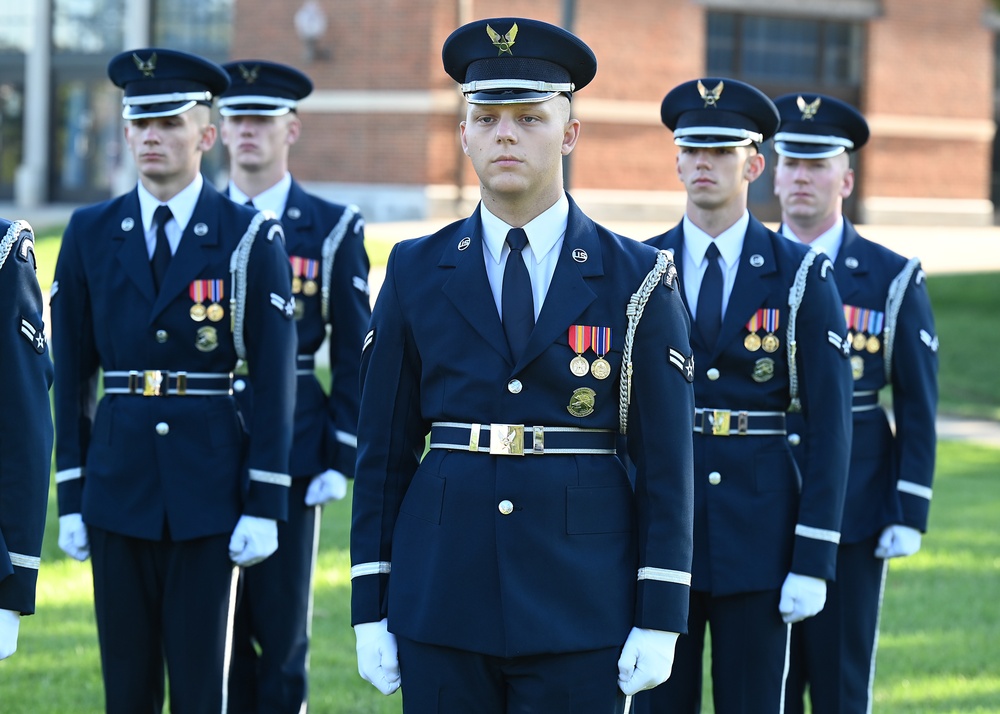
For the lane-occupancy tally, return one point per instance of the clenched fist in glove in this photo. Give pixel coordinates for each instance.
(10, 621)
(802, 596)
(328, 486)
(378, 658)
(897, 542)
(73, 539)
(646, 660)
(254, 540)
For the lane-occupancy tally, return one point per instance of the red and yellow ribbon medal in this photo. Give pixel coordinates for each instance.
(752, 340)
(297, 270)
(198, 291)
(215, 310)
(579, 342)
(309, 287)
(601, 342)
(771, 343)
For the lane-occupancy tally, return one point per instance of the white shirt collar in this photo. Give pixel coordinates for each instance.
(828, 242)
(544, 230)
(181, 205)
(729, 242)
(273, 199)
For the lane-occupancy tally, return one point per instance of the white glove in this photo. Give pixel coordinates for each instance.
(897, 541)
(328, 486)
(646, 660)
(802, 596)
(253, 540)
(10, 620)
(378, 659)
(73, 537)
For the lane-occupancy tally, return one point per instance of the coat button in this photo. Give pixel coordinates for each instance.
(239, 385)
(715, 478)
(161, 336)
(514, 386)
(163, 428)
(712, 374)
(506, 507)
(794, 439)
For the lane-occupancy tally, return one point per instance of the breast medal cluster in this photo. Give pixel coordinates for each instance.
(583, 338)
(770, 321)
(202, 290)
(863, 329)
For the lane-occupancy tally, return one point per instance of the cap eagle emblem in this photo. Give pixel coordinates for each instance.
(147, 67)
(710, 96)
(249, 74)
(808, 110)
(502, 43)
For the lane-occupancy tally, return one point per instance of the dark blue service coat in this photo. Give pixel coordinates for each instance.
(521, 555)
(25, 419)
(757, 518)
(141, 466)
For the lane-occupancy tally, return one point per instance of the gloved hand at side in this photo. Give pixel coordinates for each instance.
(378, 658)
(647, 659)
(254, 539)
(802, 596)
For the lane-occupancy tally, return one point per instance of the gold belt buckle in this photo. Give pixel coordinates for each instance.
(507, 439)
(720, 422)
(154, 383)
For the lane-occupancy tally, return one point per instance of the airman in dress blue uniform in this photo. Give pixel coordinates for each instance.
(768, 336)
(514, 566)
(25, 429)
(163, 290)
(893, 344)
(325, 245)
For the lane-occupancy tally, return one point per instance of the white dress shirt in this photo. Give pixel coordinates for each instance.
(181, 206)
(696, 242)
(828, 242)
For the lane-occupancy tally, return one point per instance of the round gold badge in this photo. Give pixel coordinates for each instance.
(207, 339)
(309, 288)
(581, 403)
(763, 370)
(197, 312)
(579, 366)
(857, 367)
(770, 343)
(873, 344)
(858, 341)
(752, 342)
(215, 312)
(296, 284)
(601, 368)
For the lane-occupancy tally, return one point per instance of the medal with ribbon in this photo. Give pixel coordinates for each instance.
(579, 342)
(752, 340)
(770, 342)
(198, 291)
(297, 270)
(601, 342)
(311, 270)
(215, 310)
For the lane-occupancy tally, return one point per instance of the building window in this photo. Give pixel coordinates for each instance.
(766, 50)
(87, 26)
(204, 27)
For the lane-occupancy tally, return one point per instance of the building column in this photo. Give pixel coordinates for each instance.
(31, 178)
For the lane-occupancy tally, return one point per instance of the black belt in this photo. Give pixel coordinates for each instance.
(864, 401)
(161, 383)
(520, 440)
(735, 422)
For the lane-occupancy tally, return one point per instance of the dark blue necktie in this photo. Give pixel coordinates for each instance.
(515, 298)
(709, 318)
(161, 254)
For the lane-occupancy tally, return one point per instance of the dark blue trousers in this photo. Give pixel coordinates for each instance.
(749, 651)
(441, 680)
(833, 653)
(270, 663)
(162, 602)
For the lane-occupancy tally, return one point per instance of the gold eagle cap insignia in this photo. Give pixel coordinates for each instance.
(249, 74)
(710, 96)
(808, 110)
(147, 67)
(504, 42)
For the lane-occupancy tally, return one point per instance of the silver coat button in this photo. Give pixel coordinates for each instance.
(514, 386)
(715, 478)
(161, 336)
(163, 428)
(712, 374)
(794, 439)
(506, 507)
(239, 385)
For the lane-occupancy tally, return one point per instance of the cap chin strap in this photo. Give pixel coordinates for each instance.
(739, 137)
(135, 111)
(143, 99)
(244, 105)
(782, 150)
(493, 85)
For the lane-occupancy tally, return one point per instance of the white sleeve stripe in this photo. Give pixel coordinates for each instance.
(68, 474)
(347, 439)
(270, 477)
(379, 568)
(817, 533)
(914, 489)
(25, 561)
(665, 576)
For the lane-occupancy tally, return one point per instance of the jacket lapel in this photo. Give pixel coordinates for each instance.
(133, 254)
(851, 267)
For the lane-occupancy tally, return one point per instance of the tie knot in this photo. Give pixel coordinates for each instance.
(713, 251)
(517, 238)
(162, 214)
